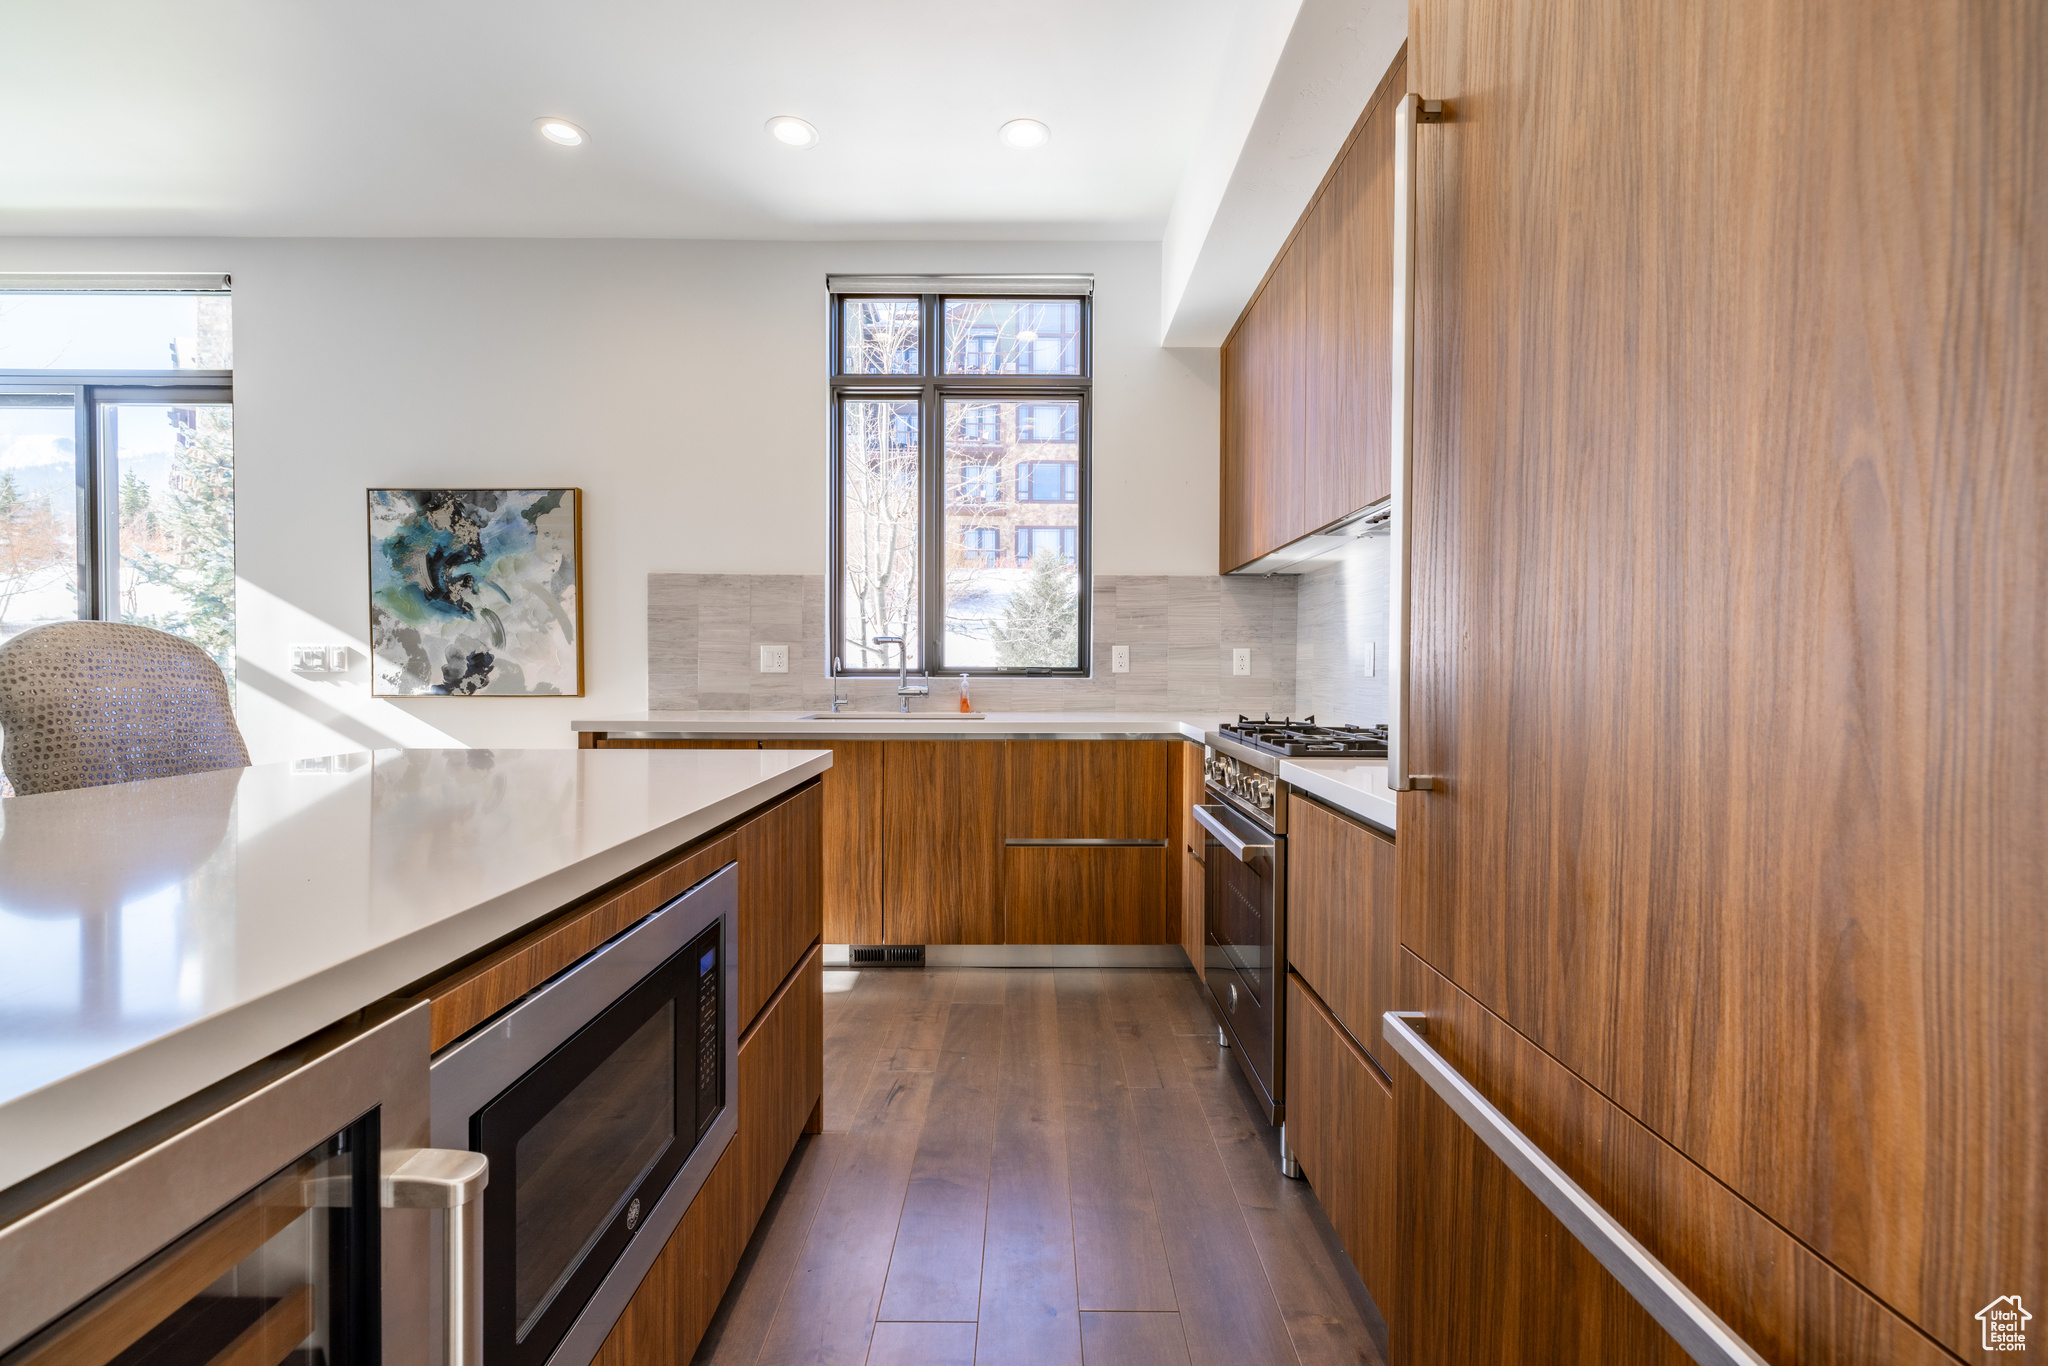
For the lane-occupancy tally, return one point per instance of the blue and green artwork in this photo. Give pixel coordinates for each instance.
(475, 593)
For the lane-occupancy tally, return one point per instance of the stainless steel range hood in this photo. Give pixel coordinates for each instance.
(1298, 557)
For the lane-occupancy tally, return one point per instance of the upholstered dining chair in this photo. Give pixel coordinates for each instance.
(87, 703)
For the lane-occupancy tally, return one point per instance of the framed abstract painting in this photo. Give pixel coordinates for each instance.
(476, 592)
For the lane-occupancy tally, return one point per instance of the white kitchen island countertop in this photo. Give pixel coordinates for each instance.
(158, 937)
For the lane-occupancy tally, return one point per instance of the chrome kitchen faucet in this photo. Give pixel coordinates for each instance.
(905, 689)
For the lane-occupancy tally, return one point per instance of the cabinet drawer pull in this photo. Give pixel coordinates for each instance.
(1700, 1331)
(1085, 844)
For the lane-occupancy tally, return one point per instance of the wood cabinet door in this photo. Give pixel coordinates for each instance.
(1342, 929)
(1069, 895)
(1347, 237)
(853, 838)
(1340, 1124)
(1262, 459)
(1194, 880)
(1729, 641)
(1491, 1276)
(1090, 789)
(942, 841)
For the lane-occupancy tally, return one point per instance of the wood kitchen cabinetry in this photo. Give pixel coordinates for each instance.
(942, 847)
(1340, 1126)
(1728, 658)
(1194, 886)
(1305, 373)
(781, 1053)
(1089, 894)
(993, 842)
(853, 822)
(1343, 931)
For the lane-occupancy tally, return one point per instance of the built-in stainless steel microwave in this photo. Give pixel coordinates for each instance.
(283, 1216)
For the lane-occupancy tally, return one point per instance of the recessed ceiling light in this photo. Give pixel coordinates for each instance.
(791, 131)
(1024, 133)
(561, 131)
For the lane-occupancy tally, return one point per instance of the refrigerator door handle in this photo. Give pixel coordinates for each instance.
(1696, 1328)
(450, 1179)
(1412, 109)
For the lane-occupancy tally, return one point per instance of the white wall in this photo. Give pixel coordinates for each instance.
(679, 384)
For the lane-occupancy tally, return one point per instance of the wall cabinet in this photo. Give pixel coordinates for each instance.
(1723, 659)
(1340, 1124)
(1306, 375)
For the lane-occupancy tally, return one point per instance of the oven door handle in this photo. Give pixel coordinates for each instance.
(1213, 819)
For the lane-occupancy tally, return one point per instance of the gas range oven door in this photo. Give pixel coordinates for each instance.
(1243, 901)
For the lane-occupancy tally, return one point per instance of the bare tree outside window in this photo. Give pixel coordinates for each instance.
(878, 466)
(961, 522)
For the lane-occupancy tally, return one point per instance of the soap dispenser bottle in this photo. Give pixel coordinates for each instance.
(965, 705)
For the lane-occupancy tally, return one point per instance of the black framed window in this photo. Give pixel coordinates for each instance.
(956, 418)
(117, 476)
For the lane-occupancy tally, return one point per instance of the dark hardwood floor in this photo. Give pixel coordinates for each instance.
(1040, 1168)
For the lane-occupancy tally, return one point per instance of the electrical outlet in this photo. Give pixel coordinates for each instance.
(1371, 658)
(319, 659)
(774, 659)
(1241, 663)
(1119, 659)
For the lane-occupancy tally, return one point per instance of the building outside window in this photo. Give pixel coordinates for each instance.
(1046, 422)
(1048, 481)
(117, 473)
(1033, 541)
(945, 396)
(980, 484)
(980, 545)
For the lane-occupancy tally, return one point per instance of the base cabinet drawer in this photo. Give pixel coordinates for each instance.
(1340, 1123)
(782, 1080)
(1056, 894)
(1342, 929)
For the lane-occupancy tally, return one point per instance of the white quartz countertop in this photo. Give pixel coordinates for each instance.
(157, 937)
(922, 724)
(1358, 786)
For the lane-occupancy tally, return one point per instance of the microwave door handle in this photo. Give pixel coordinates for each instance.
(1212, 819)
(451, 1179)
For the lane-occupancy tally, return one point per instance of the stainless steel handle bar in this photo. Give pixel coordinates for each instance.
(451, 1179)
(1213, 819)
(1698, 1329)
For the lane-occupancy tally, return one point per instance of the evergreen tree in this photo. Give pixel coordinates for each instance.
(197, 563)
(1041, 625)
(136, 511)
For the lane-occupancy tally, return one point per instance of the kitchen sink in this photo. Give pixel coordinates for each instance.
(894, 716)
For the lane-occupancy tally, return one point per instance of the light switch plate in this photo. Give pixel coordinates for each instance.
(774, 659)
(1119, 659)
(1241, 663)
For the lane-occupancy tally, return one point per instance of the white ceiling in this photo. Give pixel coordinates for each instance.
(378, 118)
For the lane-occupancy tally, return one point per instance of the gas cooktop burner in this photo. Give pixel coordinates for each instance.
(1307, 740)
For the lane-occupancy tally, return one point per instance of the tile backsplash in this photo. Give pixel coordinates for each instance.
(704, 633)
(1342, 616)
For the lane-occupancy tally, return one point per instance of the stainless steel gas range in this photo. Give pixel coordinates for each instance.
(1244, 816)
